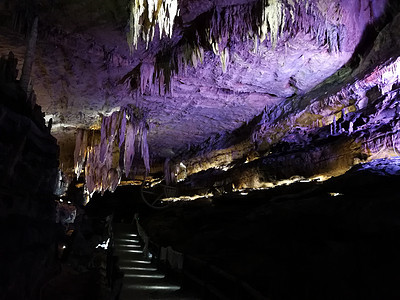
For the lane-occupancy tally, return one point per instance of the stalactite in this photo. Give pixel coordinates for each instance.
(273, 19)
(80, 152)
(122, 130)
(99, 152)
(146, 76)
(159, 12)
(145, 149)
(129, 147)
(264, 22)
(103, 143)
(77, 152)
(224, 56)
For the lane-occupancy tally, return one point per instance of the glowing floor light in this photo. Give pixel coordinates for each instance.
(139, 269)
(152, 287)
(130, 234)
(128, 246)
(127, 240)
(131, 251)
(154, 276)
(135, 261)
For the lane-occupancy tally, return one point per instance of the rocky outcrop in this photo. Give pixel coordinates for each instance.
(29, 171)
(351, 117)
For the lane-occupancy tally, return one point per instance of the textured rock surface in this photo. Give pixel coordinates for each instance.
(359, 103)
(28, 176)
(29, 169)
(82, 56)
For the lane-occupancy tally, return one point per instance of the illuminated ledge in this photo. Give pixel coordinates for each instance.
(187, 198)
(139, 181)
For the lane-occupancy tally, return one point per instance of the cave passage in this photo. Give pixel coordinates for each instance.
(199, 149)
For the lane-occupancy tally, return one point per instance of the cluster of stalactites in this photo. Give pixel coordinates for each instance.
(266, 21)
(145, 15)
(98, 153)
(156, 77)
(276, 20)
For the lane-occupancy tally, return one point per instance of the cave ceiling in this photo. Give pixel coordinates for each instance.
(84, 68)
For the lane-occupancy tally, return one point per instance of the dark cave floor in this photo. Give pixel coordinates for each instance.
(337, 239)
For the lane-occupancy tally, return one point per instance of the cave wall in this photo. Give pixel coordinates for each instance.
(28, 175)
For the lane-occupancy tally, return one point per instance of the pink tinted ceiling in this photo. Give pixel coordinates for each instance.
(82, 54)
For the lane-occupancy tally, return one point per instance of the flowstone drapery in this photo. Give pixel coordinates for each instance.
(123, 133)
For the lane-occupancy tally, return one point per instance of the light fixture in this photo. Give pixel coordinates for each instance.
(103, 245)
(335, 194)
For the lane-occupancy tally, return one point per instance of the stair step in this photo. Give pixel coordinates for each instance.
(142, 280)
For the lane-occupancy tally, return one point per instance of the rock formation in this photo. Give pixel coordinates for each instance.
(210, 97)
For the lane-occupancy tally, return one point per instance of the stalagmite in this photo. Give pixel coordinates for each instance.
(29, 56)
(350, 127)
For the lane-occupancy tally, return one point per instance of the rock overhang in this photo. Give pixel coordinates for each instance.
(83, 55)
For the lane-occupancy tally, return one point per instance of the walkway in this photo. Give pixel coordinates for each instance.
(142, 280)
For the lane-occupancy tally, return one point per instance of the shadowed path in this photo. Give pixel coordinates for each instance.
(142, 280)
